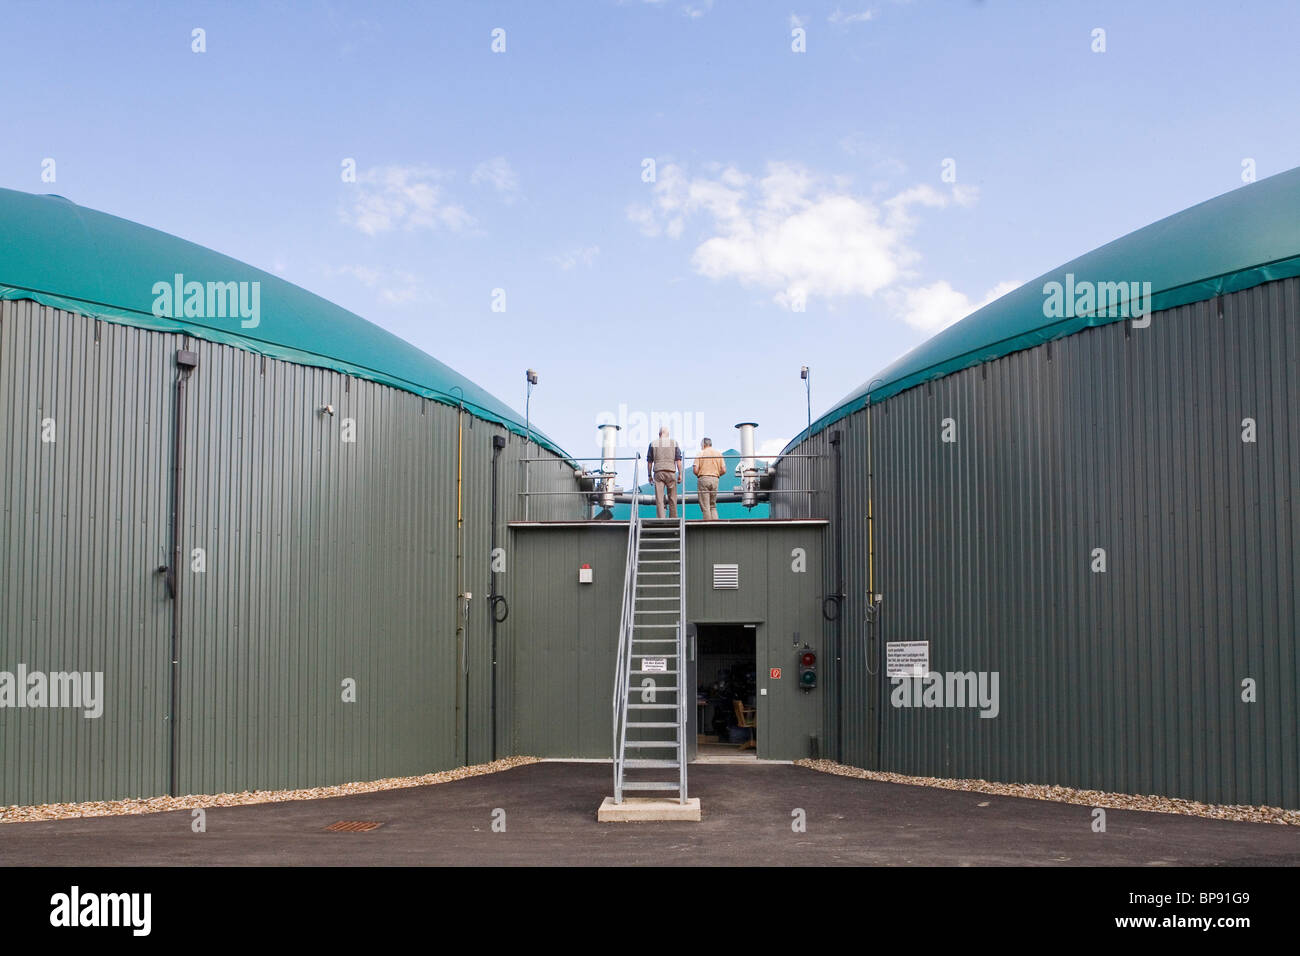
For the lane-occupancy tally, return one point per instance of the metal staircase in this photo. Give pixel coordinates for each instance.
(649, 698)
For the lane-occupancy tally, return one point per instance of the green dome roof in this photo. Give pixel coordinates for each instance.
(1238, 240)
(60, 254)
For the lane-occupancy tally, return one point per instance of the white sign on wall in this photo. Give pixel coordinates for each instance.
(907, 658)
(654, 663)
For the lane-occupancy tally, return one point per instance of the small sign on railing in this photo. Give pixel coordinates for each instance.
(654, 663)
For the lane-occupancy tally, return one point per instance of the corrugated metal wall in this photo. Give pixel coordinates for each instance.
(83, 524)
(1118, 438)
(324, 560)
(839, 476)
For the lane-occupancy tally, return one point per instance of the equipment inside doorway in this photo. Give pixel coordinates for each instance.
(726, 691)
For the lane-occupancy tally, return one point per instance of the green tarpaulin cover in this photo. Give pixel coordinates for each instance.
(1241, 239)
(60, 254)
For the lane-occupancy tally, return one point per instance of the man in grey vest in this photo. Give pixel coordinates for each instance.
(664, 459)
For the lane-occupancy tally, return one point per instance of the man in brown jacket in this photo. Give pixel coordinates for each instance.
(708, 468)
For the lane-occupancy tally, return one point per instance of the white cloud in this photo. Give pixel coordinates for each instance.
(789, 231)
(770, 447)
(407, 197)
(796, 21)
(395, 286)
(578, 256)
(964, 195)
(840, 17)
(938, 305)
(498, 174)
(694, 11)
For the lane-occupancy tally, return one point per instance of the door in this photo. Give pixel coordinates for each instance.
(690, 685)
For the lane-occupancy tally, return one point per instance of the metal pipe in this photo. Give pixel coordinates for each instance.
(745, 467)
(684, 457)
(873, 606)
(185, 363)
(462, 606)
(530, 378)
(498, 444)
(608, 440)
(835, 438)
(623, 497)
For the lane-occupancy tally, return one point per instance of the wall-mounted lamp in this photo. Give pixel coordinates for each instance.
(530, 377)
(806, 375)
(326, 410)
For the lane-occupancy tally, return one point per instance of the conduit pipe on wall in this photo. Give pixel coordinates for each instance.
(462, 601)
(186, 361)
(498, 444)
(835, 439)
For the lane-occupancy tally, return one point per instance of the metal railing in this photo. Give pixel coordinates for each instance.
(623, 668)
(594, 494)
(682, 670)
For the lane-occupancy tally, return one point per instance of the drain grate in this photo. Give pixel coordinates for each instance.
(353, 826)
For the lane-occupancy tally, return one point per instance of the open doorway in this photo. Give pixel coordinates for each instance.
(726, 672)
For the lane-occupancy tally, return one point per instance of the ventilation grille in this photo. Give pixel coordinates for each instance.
(726, 576)
(353, 826)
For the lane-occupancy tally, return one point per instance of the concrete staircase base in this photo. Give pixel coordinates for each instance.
(649, 810)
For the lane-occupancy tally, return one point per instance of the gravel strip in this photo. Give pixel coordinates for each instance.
(116, 808)
(1087, 798)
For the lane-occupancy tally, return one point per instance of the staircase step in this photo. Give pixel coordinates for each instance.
(651, 706)
(634, 762)
(673, 626)
(659, 724)
(655, 672)
(654, 612)
(638, 785)
(637, 688)
(652, 744)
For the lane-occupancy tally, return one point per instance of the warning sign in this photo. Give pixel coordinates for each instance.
(654, 663)
(907, 658)
(776, 673)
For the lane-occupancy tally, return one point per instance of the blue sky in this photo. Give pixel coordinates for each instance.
(798, 214)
